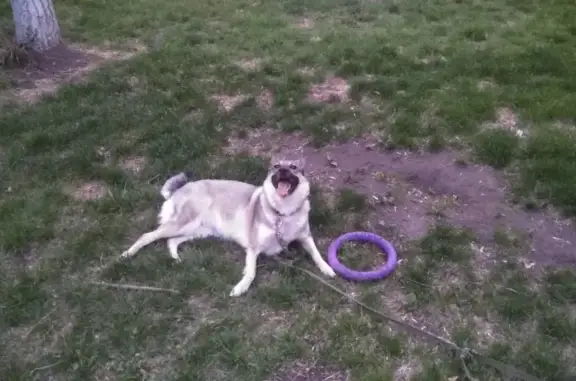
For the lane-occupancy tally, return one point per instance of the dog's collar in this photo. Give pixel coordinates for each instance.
(283, 214)
(277, 212)
(278, 225)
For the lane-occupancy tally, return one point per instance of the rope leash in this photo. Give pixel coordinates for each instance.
(465, 354)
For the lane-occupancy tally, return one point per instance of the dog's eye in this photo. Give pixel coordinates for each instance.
(276, 166)
(292, 166)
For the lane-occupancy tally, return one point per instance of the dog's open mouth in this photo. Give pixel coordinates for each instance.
(285, 183)
(283, 188)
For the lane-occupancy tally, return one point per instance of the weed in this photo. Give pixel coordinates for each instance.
(446, 244)
(350, 201)
(496, 147)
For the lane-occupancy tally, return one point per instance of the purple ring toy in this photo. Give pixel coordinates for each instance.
(380, 273)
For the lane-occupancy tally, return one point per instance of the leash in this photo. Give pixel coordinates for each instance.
(466, 355)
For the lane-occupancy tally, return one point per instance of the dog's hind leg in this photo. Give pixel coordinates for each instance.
(173, 244)
(194, 229)
(163, 231)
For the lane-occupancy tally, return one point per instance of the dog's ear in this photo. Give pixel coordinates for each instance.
(274, 159)
(301, 163)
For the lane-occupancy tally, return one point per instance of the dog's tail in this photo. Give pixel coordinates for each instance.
(173, 184)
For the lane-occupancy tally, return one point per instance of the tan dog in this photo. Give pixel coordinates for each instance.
(260, 219)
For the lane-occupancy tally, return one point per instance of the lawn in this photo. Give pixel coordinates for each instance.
(445, 126)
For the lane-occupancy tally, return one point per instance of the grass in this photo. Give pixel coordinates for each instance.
(496, 148)
(422, 75)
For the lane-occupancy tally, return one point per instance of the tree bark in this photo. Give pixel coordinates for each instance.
(36, 24)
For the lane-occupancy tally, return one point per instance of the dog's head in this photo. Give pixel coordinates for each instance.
(287, 177)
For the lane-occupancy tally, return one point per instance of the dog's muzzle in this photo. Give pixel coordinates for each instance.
(285, 182)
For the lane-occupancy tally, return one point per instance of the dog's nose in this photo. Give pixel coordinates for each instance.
(283, 172)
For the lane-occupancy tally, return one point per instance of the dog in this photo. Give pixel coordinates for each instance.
(261, 219)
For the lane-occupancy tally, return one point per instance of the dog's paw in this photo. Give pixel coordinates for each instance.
(328, 271)
(239, 289)
(125, 254)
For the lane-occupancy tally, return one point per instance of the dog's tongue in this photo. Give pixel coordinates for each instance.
(283, 188)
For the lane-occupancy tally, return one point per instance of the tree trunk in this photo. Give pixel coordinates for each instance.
(36, 24)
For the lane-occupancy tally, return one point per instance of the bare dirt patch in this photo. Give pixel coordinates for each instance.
(273, 323)
(306, 71)
(262, 142)
(332, 90)
(93, 190)
(307, 372)
(410, 191)
(409, 366)
(505, 118)
(227, 103)
(133, 164)
(61, 65)
(305, 23)
(249, 65)
(265, 100)
(486, 84)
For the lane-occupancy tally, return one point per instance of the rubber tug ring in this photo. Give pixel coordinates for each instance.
(362, 276)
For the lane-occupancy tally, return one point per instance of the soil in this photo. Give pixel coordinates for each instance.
(265, 100)
(89, 191)
(249, 65)
(133, 164)
(302, 372)
(332, 90)
(47, 71)
(56, 61)
(227, 103)
(305, 23)
(410, 191)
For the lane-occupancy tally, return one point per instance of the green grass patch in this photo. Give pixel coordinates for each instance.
(350, 201)
(561, 285)
(496, 147)
(550, 166)
(446, 244)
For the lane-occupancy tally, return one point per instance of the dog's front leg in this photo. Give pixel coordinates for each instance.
(249, 273)
(310, 246)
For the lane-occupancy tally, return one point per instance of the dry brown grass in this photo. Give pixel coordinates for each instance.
(92, 190)
(306, 71)
(133, 164)
(305, 23)
(265, 100)
(249, 65)
(227, 103)
(505, 118)
(301, 371)
(332, 90)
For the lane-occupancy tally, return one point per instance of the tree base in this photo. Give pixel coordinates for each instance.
(36, 26)
(44, 73)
